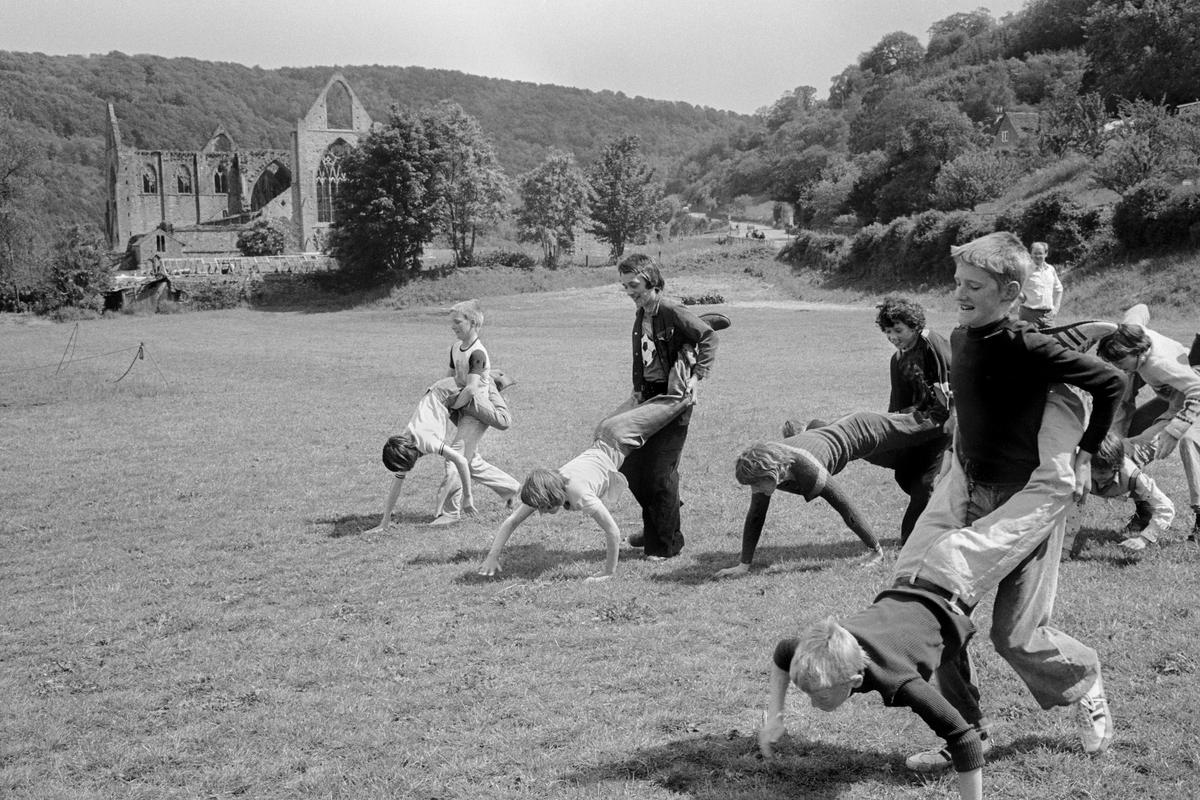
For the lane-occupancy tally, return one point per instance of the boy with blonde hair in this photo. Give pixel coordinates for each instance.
(997, 518)
(892, 647)
(470, 367)
(594, 477)
(806, 462)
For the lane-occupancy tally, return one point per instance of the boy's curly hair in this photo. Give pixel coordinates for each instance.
(827, 654)
(900, 309)
(1110, 455)
(1001, 253)
(759, 461)
(1126, 340)
(543, 489)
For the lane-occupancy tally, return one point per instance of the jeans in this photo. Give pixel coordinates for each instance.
(975, 537)
(473, 422)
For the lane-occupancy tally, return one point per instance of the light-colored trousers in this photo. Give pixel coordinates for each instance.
(473, 422)
(974, 538)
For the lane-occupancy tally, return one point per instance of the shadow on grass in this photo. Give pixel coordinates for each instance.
(355, 524)
(1032, 743)
(779, 559)
(1100, 544)
(728, 766)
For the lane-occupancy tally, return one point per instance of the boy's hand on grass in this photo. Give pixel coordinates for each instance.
(490, 569)
(871, 557)
(598, 577)
(770, 734)
(468, 505)
(734, 571)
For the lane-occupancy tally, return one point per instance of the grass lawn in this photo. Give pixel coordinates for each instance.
(192, 610)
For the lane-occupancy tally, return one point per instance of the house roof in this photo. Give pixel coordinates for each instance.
(1024, 121)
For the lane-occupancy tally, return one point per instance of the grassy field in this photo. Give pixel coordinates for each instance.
(192, 610)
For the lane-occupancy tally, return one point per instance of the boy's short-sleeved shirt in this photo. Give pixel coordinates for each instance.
(592, 479)
(464, 361)
(1039, 288)
(429, 423)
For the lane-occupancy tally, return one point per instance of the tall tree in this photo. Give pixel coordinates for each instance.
(554, 198)
(388, 206)
(473, 187)
(21, 244)
(895, 52)
(1145, 50)
(626, 194)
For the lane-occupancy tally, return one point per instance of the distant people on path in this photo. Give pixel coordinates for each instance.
(1042, 291)
(662, 328)
(920, 368)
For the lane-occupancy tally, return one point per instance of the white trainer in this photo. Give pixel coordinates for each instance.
(1094, 720)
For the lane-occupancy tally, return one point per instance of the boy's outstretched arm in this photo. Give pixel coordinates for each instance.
(491, 564)
(773, 728)
(612, 542)
(842, 504)
(756, 517)
(461, 464)
(389, 504)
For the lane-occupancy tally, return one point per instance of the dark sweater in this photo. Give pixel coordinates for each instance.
(1000, 374)
(913, 370)
(907, 633)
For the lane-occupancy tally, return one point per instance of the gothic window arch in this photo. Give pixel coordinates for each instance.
(183, 180)
(274, 180)
(221, 179)
(339, 112)
(149, 179)
(329, 180)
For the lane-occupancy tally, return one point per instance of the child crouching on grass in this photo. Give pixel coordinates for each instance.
(593, 477)
(892, 647)
(1115, 475)
(426, 432)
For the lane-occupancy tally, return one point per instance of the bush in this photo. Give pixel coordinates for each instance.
(1056, 219)
(1155, 216)
(267, 237)
(812, 250)
(211, 296)
(505, 258)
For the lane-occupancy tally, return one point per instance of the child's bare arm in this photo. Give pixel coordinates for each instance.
(464, 476)
(756, 517)
(612, 543)
(842, 504)
(491, 564)
(389, 504)
(773, 728)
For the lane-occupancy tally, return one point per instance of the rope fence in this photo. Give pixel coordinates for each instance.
(69, 357)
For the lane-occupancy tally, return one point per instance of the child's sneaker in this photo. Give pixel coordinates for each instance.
(930, 761)
(1094, 720)
(1134, 543)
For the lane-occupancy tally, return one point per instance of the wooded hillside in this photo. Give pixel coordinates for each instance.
(175, 103)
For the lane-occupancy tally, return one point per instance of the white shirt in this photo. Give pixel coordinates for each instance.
(1042, 289)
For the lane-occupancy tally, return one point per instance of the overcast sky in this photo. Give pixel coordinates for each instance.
(730, 55)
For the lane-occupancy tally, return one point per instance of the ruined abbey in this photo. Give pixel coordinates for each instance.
(173, 203)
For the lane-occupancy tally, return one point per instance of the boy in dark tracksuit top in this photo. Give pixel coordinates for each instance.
(921, 362)
(661, 330)
(893, 647)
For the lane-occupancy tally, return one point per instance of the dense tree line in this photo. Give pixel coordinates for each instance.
(907, 127)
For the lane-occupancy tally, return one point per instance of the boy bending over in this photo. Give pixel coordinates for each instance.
(1114, 475)
(426, 431)
(593, 477)
(805, 464)
(892, 647)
